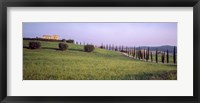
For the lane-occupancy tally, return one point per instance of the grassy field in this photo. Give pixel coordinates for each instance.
(49, 63)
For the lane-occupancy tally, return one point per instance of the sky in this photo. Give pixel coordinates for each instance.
(127, 34)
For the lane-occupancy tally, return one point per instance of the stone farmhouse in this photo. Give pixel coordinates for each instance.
(52, 37)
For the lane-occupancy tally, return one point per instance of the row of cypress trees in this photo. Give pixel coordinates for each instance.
(144, 54)
(140, 54)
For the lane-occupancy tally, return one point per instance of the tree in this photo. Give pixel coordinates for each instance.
(63, 46)
(163, 57)
(139, 53)
(141, 56)
(113, 47)
(147, 54)
(134, 52)
(144, 53)
(116, 48)
(156, 56)
(131, 51)
(174, 55)
(128, 50)
(151, 57)
(167, 56)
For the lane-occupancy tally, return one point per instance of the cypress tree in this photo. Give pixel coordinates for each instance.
(156, 56)
(139, 53)
(163, 57)
(167, 56)
(141, 56)
(144, 53)
(100, 46)
(128, 51)
(134, 52)
(147, 55)
(174, 55)
(131, 51)
(151, 57)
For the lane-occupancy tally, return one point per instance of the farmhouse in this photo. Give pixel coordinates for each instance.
(53, 37)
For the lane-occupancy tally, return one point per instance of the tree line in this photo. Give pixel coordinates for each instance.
(143, 54)
(139, 53)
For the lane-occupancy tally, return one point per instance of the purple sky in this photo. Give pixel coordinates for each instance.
(127, 34)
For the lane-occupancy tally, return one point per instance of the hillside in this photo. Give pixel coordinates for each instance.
(49, 63)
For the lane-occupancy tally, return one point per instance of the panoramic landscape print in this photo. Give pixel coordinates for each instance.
(99, 51)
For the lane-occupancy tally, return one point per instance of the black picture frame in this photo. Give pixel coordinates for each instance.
(99, 3)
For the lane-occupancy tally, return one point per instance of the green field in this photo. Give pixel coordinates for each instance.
(49, 63)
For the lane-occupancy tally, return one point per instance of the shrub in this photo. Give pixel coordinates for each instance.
(34, 45)
(63, 46)
(101, 47)
(89, 48)
(63, 40)
(70, 41)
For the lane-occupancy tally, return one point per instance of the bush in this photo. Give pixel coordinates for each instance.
(70, 41)
(63, 46)
(89, 48)
(63, 40)
(34, 45)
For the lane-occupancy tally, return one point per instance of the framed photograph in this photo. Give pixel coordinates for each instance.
(99, 51)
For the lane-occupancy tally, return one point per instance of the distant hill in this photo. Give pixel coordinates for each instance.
(159, 48)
